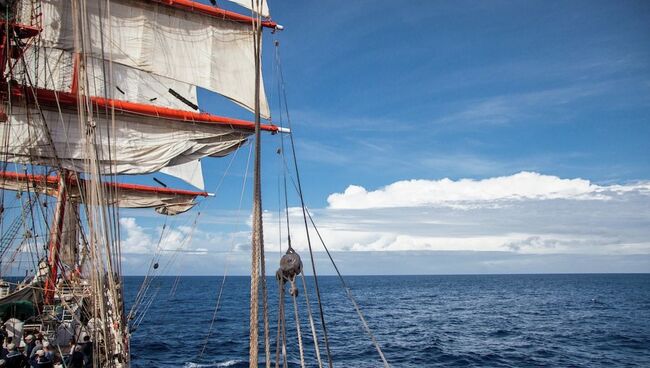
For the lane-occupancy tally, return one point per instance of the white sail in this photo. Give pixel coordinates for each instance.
(51, 68)
(192, 48)
(163, 200)
(138, 145)
(252, 5)
(191, 172)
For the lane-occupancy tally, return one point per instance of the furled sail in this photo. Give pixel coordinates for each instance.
(252, 5)
(192, 48)
(137, 145)
(164, 200)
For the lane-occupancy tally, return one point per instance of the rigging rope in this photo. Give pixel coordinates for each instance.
(281, 325)
(305, 212)
(232, 247)
(257, 256)
(302, 204)
(345, 287)
(294, 294)
(348, 291)
(290, 267)
(284, 166)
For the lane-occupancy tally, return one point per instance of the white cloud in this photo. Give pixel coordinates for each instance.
(139, 240)
(524, 185)
(523, 218)
(525, 213)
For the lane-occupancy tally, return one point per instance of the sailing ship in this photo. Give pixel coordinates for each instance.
(92, 90)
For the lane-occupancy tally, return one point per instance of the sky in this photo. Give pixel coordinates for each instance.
(438, 137)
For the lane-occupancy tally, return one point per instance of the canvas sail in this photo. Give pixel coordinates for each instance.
(192, 48)
(252, 5)
(191, 172)
(53, 69)
(138, 145)
(163, 200)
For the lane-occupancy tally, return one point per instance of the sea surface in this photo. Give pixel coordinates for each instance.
(591, 320)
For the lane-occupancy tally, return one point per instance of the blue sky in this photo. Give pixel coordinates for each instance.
(470, 89)
(384, 92)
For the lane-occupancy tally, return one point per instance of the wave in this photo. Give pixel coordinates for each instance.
(228, 363)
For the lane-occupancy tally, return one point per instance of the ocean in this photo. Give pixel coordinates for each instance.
(571, 320)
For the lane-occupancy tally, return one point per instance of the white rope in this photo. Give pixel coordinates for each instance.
(295, 312)
(311, 321)
(350, 296)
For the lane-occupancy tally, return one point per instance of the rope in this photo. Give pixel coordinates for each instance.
(257, 256)
(277, 338)
(302, 204)
(232, 246)
(294, 292)
(302, 275)
(281, 340)
(306, 214)
(311, 321)
(348, 291)
(345, 286)
(283, 167)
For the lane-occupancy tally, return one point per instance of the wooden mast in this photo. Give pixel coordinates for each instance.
(55, 237)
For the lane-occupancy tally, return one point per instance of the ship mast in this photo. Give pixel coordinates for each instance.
(257, 238)
(65, 114)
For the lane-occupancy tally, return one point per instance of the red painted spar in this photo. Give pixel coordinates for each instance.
(53, 181)
(69, 100)
(213, 11)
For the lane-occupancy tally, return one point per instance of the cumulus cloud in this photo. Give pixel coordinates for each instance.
(525, 218)
(139, 240)
(524, 185)
(526, 213)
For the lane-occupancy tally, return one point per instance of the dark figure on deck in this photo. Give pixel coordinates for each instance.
(76, 359)
(49, 354)
(8, 340)
(15, 359)
(87, 350)
(39, 360)
(29, 345)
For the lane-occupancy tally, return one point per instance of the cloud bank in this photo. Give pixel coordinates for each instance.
(521, 186)
(506, 224)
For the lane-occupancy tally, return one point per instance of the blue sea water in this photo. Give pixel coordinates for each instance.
(594, 320)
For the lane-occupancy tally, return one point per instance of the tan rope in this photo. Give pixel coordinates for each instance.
(257, 252)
